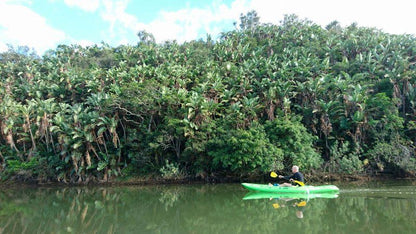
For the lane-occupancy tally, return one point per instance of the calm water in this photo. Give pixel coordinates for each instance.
(388, 207)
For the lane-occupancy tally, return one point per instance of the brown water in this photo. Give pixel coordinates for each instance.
(383, 207)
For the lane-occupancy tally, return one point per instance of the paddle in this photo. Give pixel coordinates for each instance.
(274, 175)
(300, 204)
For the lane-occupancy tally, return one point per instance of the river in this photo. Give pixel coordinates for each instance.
(372, 207)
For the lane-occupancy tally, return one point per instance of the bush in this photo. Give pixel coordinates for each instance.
(342, 160)
(295, 141)
(171, 171)
(21, 170)
(397, 157)
(244, 151)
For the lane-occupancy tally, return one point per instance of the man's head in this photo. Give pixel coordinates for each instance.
(295, 169)
(299, 214)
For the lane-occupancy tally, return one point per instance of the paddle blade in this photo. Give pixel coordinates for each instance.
(299, 182)
(273, 174)
(302, 203)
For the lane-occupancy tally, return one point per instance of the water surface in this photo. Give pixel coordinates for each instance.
(382, 207)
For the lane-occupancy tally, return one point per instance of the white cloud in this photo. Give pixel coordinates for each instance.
(3, 47)
(182, 25)
(84, 43)
(192, 23)
(120, 21)
(86, 5)
(189, 23)
(18, 1)
(390, 16)
(21, 26)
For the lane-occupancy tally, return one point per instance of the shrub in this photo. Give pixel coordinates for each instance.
(295, 141)
(397, 157)
(343, 160)
(21, 169)
(244, 151)
(171, 171)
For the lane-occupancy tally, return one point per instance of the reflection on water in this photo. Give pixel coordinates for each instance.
(205, 209)
(296, 201)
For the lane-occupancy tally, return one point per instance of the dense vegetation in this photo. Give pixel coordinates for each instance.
(262, 97)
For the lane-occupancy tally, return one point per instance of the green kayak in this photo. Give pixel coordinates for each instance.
(263, 195)
(307, 189)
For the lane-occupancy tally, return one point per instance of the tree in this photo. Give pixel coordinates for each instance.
(145, 37)
(244, 151)
(296, 143)
(249, 21)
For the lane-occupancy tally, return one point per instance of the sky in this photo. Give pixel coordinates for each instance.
(44, 24)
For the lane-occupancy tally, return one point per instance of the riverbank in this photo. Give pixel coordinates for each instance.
(311, 178)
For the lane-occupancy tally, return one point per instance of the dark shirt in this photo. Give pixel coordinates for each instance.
(296, 176)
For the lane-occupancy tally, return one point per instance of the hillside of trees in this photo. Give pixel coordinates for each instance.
(260, 98)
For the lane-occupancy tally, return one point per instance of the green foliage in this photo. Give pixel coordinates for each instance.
(249, 20)
(23, 170)
(229, 104)
(344, 160)
(171, 171)
(16, 166)
(289, 135)
(397, 157)
(384, 119)
(243, 150)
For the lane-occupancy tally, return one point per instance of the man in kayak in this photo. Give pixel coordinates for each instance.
(297, 176)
